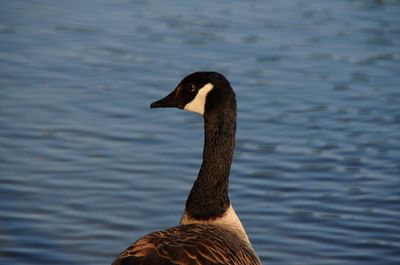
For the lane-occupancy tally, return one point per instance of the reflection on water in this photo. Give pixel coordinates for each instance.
(85, 166)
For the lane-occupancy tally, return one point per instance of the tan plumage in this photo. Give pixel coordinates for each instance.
(192, 244)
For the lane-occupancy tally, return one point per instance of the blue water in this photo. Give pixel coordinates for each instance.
(86, 168)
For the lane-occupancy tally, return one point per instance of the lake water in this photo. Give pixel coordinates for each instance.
(86, 168)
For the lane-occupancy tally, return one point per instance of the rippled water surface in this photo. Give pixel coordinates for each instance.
(86, 167)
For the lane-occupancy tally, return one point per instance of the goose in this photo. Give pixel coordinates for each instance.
(209, 232)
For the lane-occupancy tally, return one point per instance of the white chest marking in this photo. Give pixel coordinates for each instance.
(199, 102)
(229, 220)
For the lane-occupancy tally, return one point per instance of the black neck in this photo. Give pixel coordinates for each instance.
(208, 198)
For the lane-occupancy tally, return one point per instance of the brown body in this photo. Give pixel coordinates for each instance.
(192, 244)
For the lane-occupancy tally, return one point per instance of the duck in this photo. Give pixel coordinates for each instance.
(210, 232)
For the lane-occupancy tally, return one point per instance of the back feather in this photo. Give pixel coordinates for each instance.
(193, 244)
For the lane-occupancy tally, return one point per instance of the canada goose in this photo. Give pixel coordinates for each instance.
(209, 232)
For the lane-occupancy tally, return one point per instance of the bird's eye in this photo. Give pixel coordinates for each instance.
(191, 88)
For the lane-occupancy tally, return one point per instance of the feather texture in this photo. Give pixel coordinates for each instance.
(192, 244)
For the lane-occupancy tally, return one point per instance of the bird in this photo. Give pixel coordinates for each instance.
(209, 232)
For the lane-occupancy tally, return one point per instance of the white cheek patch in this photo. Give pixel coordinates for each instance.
(199, 102)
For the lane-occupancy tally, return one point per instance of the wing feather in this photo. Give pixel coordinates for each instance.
(192, 244)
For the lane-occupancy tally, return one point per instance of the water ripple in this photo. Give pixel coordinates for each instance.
(85, 166)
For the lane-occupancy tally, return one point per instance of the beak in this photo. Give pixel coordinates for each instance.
(167, 102)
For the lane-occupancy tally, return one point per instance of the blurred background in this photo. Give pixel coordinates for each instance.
(86, 168)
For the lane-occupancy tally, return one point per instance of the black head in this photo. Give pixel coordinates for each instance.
(198, 92)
